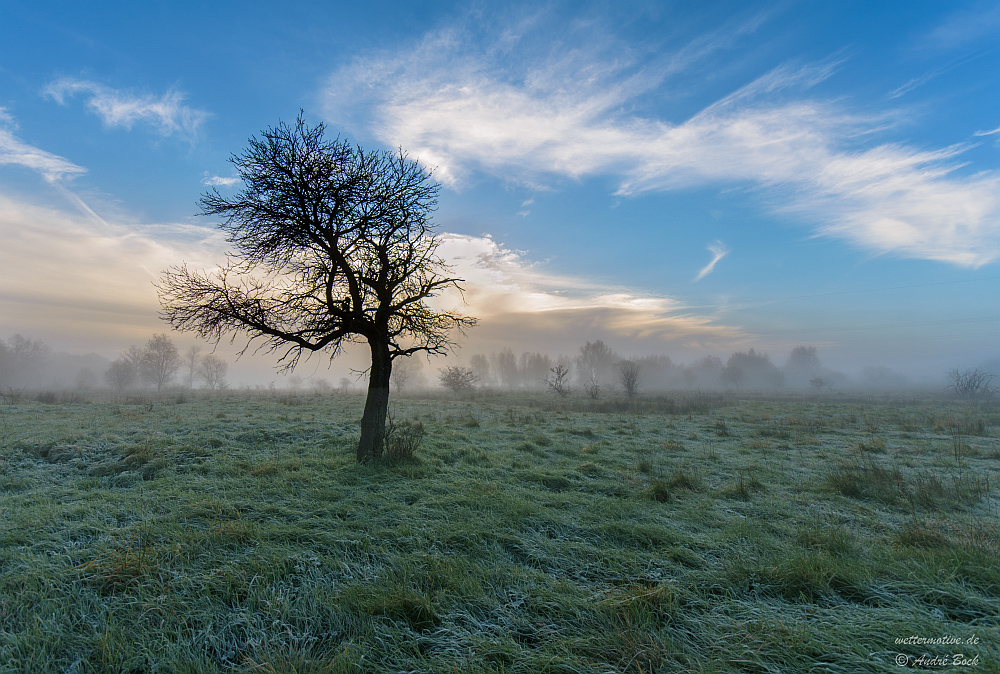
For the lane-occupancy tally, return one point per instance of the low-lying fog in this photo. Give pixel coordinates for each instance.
(172, 362)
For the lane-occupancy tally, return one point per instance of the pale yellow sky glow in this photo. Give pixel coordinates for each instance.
(523, 306)
(84, 284)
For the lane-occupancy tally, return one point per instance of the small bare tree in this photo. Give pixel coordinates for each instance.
(558, 380)
(732, 374)
(120, 375)
(190, 360)
(457, 378)
(593, 388)
(971, 384)
(333, 245)
(212, 370)
(405, 372)
(628, 377)
(24, 358)
(160, 361)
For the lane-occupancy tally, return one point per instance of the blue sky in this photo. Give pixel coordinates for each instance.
(679, 178)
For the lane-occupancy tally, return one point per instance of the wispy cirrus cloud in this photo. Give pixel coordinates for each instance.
(579, 110)
(15, 151)
(718, 252)
(167, 113)
(964, 27)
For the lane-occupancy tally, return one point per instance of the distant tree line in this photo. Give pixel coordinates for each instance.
(596, 370)
(157, 364)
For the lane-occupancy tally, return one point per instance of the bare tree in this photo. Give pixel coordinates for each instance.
(212, 370)
(332, 245)
(628, 377)
(593, 388)
(971, 383)
(121, 374)
(24, 357)
(405, 372)
(191, 359)
(558, 380)
(596, 362)
(505, 368)
(134, 357)
(733, 374)
(536, 368)
(754, 368)
(457, 378)
(160, 361)
(480, 364)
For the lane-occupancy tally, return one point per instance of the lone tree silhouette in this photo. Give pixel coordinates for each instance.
(333, 245)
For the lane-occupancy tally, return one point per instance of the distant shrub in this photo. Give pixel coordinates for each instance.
(971, 384)
(402, 440)
(457, 378)
(12, 396)
(47, 398)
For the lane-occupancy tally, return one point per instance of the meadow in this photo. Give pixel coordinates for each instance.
(526, 533)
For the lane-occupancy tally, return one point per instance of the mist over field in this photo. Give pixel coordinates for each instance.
(32, 365)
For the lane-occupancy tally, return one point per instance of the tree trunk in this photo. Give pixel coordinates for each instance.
(377, 404)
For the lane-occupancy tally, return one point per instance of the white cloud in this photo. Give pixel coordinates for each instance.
(166, 113)
(16, 152)
(520, 303)
(219, 181)
(68, 274)
(718, 252)
(460, 106)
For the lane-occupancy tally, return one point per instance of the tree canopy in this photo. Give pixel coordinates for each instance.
(332, 245)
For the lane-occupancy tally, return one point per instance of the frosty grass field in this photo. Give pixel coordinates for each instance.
(526, 534)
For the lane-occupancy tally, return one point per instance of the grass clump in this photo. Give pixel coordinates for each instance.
(745, 486)
(865, 478)
(680, 481)
(933, 491)
(395, 603)
(913, 535)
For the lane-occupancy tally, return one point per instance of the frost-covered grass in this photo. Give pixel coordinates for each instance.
(529, 534)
